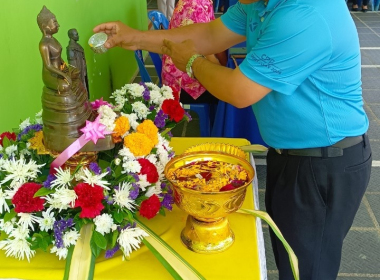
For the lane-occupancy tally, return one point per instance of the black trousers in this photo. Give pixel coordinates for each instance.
(313, 201)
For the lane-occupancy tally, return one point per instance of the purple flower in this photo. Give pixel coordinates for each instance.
(135, 176)
(160, 118)
(108, 199)
(50, 178)
(1, 155)
(108, 169)
(111, 252)
(59, 227)
(146, 93)
(33, 127)
(94, 167)
(188, 115)
(134, 192)
(168, 201)
(170, 134)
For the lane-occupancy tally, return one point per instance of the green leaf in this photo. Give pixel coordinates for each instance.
(43, 191)
(68, 262)
(156, 245)
(103, 164)
(115, 235)
(10, 215)
(118, 217)
(162, 212)
(265, 216)
(95, 250)
(6, 142)
(99, 239)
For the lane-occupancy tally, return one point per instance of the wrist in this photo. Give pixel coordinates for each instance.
(189, 65)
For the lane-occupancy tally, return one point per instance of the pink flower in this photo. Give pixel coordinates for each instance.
(99, 102)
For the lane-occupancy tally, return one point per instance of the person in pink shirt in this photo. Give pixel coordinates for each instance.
(188, 12)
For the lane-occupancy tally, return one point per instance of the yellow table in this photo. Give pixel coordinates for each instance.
(239, 262)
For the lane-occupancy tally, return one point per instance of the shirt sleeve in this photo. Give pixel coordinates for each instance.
(294, 42)
(235, 19)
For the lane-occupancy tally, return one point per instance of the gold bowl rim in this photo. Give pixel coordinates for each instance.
(241, 188)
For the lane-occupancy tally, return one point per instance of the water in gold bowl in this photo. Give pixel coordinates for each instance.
(207, 229)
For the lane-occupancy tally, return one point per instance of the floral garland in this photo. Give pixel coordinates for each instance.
(40, 210)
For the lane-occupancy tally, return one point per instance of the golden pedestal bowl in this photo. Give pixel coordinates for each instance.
(207, 229)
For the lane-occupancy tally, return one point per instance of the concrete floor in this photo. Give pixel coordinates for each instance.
(361, 250)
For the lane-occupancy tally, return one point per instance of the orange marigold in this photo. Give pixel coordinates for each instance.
(148, 128)
(138, 143)
(121, 127)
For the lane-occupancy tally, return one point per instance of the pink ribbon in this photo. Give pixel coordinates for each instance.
(92, 131)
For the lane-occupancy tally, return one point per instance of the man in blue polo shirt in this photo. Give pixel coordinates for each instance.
(302, 76)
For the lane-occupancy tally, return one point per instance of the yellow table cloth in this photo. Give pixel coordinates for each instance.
(241, 261)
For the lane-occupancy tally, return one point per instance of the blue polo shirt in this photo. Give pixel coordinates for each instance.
(307, 52)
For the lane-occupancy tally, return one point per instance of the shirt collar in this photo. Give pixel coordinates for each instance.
(271, 5)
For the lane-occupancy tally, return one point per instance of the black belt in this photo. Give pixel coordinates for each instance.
(335, 150)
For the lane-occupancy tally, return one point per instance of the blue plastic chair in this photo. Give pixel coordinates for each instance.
(158, 20)
(202, 109)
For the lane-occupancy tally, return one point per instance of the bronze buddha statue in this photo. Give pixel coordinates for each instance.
(64, 99)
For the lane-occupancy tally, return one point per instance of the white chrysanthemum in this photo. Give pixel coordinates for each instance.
(131, 166)
(156, 97)
(38, 117)
(130, 239)
(47, 221)
(152, 86)
(126, 154)
(106, 112)
(140, 109)
(19, 233)
(70, 238)
(109, 123)
(121, 196)
(11, 150)
(8, 227)
(62, 199)
(24, 124)
(63, 178)
(60, 252)
(18, 248)
(27, 220)
(3, 204)
(103, 223)
(20, 171)
(119, 92)
(93, 179)
(132, 120)
(136, 90)
(163, 155)
(143, 182)
(1, 148)
(167, 92)
(117, 161)
(155, 189)
(79, 173)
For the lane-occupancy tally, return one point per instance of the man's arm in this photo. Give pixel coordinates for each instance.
(209, 38)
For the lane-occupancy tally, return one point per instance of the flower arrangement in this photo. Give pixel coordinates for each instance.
(40, 209)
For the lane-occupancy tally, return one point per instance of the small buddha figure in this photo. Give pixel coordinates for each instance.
(64, 99)
(76, 57)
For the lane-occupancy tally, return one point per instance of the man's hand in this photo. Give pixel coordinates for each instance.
(179, 53)
(118, 35)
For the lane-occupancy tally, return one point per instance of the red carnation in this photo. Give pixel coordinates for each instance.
(9, 135)
(24, 200)
(150, 207)
(148, 169)
(90, 199)
(173, 109)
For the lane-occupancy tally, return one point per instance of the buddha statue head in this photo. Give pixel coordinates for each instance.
(47, 21)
